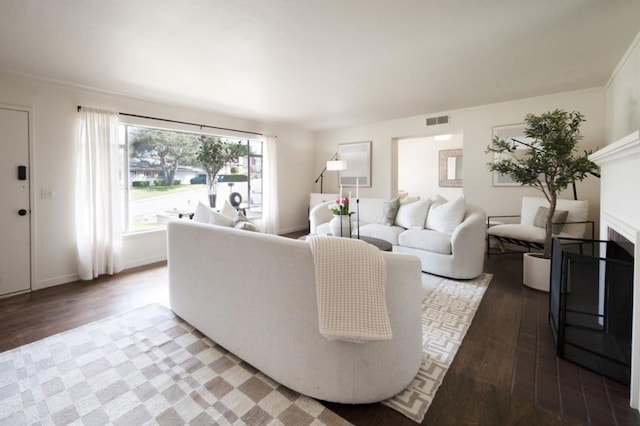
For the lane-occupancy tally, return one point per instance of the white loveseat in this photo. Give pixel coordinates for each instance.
(255, 295)
(447, 237)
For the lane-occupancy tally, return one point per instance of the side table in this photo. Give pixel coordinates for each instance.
(382, 245)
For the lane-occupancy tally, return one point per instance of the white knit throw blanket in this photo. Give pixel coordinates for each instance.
(350, 286)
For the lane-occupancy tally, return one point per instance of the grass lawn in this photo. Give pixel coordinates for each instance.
(157, 191)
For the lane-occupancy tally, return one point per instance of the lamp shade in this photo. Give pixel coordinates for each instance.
(336, 165)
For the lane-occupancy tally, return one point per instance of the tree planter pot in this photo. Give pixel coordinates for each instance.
(536, 271)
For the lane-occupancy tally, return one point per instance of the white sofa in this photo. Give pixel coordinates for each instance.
(455, 250)
(255, 295)
(571, 222)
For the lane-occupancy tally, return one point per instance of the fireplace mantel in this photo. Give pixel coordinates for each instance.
(619, 164)
(622, 150)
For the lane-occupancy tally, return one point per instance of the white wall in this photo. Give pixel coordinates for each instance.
(419, 166)
(54, 122)
(296, 174)
(623, 95)
(622, 119)
(476, 125)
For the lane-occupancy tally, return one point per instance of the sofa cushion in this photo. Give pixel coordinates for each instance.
(370, 209)
(389, 211)
(425, 239)
(383, 232)
(518, 232)
(323, 229)
(559, 217)
(437, 199)
(412, 215)
(202, 213)
(220, 219)
(227, 209)
(446, 217)
(578, 212)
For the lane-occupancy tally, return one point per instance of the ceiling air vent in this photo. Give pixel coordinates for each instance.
(433, 121)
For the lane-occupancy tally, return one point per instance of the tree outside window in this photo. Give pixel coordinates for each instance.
(166, 173)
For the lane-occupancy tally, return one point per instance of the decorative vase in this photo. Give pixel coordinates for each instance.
(213, 192)
(340, 225)
(536, 271)
(212, 200)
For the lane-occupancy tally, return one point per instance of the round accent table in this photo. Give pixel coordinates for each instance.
(381, 244)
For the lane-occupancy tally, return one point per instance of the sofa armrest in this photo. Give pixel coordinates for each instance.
(471, 233)
(318, 215)
(471, 227)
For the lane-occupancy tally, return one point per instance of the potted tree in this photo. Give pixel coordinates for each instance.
(550, 162)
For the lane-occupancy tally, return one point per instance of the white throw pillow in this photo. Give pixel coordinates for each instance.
(202, 213)
(220, 219)
(437, 199)
(404, 202)
(228, 210)
(412, 215)
(447, 216)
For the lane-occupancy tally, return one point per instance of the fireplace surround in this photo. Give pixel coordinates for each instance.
(620, 211)
(591, 304)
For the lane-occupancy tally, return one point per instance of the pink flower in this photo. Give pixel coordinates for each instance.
(341, 207)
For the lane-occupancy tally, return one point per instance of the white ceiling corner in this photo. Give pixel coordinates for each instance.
(320, 64)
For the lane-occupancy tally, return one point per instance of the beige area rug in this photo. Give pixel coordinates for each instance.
(447, 311)
(146, 367)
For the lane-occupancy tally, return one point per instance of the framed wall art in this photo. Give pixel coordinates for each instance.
(357, 155)
(512, 131)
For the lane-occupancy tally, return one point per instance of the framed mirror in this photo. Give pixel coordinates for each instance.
(450, 168)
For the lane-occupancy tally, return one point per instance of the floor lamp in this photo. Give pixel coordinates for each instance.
(331, 164)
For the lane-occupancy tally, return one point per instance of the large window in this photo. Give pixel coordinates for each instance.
(163, 175)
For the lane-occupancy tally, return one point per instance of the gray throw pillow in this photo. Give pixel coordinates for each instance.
(389, 210)
(559, 217)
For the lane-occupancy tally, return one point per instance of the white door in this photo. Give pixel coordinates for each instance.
(15, 253)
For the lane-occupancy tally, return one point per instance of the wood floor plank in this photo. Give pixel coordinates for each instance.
(476, 390)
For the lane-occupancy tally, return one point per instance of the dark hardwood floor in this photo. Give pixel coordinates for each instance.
(480, 388)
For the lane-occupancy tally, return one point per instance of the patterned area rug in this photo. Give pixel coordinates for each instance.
(447, 312)
(150, 367)
(144, 367)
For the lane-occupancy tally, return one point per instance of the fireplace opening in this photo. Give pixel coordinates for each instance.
(591, 305)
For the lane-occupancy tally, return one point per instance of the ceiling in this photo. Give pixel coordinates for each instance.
(320, 64)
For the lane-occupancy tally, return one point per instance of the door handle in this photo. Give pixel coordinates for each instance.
(22, 212)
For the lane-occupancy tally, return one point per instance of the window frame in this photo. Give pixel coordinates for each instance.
(126, 179)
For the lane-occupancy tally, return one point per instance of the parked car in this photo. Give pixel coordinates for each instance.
(199, 179)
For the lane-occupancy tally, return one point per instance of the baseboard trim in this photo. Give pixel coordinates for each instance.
(51, 282)
(146, 261)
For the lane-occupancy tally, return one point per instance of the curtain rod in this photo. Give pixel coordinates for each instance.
(183, 122)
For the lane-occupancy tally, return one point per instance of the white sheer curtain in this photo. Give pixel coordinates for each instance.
(270, 214)
(98, 221)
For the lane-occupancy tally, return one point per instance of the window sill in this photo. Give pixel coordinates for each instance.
(132, 235)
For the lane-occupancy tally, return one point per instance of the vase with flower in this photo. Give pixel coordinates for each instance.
(340, 225)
